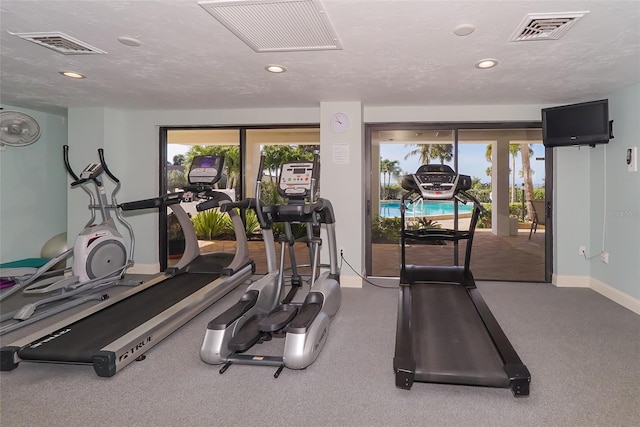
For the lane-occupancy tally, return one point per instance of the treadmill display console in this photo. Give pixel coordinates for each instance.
(437, 182)
(206, 169)
(295, 179)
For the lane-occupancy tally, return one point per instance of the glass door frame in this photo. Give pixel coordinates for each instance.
(162, 169)
(163, 249)
(454, 127)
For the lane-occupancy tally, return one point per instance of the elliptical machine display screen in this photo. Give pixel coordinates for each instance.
(295, 179)
(205, 169)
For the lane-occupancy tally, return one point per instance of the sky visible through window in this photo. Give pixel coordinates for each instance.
(175, 149)
(471, 161)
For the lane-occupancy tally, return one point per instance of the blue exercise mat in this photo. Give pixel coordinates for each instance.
(27, 262)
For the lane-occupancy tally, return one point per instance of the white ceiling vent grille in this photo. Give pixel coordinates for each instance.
(545, 26)
(60, 42)
(276, 25)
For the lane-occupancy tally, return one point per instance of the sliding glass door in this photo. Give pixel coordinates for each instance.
(241, 147)
(508, 170)
(213, 228)
(507, 165)
(279, 145)
(398, 152)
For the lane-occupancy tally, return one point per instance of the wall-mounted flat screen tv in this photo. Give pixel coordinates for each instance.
(586, 123)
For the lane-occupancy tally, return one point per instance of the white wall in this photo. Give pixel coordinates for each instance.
(449, 113)
(341, 181)
(33, 202)
(571, 215)
(615, 199)
(130, 138)
(131, 143)
(598, 205)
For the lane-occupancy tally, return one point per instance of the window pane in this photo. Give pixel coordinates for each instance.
(213, 228)
(396, 153)
(281, 145)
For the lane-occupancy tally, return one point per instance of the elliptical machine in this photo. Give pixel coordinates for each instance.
(262, 312)
(100, 253)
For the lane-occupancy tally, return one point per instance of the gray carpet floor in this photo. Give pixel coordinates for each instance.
(583, 352)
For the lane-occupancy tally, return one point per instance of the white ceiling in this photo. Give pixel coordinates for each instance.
(394, 53)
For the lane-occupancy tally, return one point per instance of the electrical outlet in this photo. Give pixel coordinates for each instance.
(604, 256)
(341, 252)
(582, 250)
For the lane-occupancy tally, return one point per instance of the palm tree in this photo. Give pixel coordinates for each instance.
(513, 150)
(384, 169)
(526, 151)
(427, 152)
(394, 170)
(388, 169)
(178, 159)
(275, 156)
(232, 165)
(422, 150)
(487, 155)
(444, 152)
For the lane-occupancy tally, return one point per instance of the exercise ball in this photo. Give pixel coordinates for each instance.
(54, 247)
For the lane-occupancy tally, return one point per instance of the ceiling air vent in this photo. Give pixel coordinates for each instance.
(60, 42)
(276, 25)
(545, 26)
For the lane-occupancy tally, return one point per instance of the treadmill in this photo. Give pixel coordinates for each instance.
(119, 330)
(445, 332)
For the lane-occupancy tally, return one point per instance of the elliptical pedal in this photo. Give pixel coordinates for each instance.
(307, 313)
(278, 319)
(248, 335)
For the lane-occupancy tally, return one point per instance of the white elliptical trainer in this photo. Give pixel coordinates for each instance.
(100, 254)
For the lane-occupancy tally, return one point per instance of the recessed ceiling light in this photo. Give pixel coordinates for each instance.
(464, 30)
(72, 74)
(273, 68)
(486, 63)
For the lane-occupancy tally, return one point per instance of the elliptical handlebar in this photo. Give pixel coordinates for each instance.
(215, 200)
(152, 203)
(242, 205)
(99, 203)
(258, 209)
(67, 165)
(105, 167)
(314, 176)
(78, 182)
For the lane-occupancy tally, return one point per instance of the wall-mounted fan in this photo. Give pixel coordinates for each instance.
(18, 129)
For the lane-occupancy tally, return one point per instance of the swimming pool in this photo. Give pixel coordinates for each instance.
(391, 208)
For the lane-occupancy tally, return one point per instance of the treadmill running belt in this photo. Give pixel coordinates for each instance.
(87, 336)
(451, 343)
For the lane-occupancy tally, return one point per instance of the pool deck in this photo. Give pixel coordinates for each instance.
(505, 258)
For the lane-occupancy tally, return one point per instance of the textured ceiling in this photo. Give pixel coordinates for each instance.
(394, 53)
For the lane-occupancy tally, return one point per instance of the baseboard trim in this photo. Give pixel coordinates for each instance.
(350, 281)
(144, 269)
(616, 295)
(571, 281)
(607, 291)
